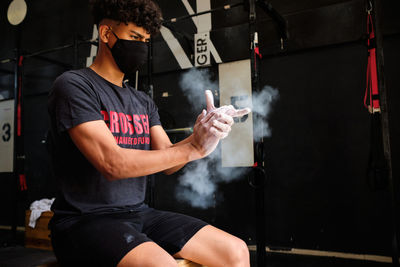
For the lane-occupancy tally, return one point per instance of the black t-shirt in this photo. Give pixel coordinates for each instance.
(81, 96)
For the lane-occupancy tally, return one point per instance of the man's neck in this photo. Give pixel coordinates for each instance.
(106, 67)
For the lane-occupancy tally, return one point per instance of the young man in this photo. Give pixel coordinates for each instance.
(105, 138)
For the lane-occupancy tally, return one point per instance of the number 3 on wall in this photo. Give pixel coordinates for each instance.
(6, 134)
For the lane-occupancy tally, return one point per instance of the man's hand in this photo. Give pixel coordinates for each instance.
(213, 125)
(228, 110)
(208, 130)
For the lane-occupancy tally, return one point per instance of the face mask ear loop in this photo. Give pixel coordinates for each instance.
(110, 29)
(114, 34)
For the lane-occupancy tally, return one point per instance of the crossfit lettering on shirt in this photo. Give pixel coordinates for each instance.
(121, 123)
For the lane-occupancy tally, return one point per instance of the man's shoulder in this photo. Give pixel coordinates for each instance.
(72, 82)
(73, 75)
(75, 78)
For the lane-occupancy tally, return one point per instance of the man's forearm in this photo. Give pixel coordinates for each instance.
(180, 166)
(136, 163)
(98, 145)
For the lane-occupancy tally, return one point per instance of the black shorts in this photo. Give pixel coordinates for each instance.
(103, 240)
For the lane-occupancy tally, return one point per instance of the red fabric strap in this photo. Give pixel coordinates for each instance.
(19, 108)
(371, 97)
(256, 53)
(22, 182)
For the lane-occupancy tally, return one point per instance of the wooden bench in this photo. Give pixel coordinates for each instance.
(181, 263)
(187, 263)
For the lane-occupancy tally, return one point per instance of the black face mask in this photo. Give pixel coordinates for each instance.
(129, 54)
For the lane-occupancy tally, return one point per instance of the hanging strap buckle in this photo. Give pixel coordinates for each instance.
(369, 7)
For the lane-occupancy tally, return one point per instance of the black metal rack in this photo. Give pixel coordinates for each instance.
(19, 150)
(259, 169)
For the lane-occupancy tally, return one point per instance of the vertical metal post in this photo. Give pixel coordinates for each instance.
(18, 164)
(76, 51)
(150, 178)
(259, 172)
(394, 185)
(15, 154)
(150, 70)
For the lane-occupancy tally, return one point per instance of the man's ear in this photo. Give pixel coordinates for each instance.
(104, 33)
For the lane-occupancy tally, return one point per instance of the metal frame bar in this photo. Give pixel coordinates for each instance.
(19, 157)
(376, 7)
(39, 54)
(259, 170)
(226, 7)
(17, 140)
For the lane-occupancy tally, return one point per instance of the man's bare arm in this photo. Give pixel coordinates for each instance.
(98, 145)
(160, 140)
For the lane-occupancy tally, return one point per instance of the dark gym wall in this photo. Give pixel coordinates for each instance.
(319, 154)
(317, 195)
(48, 24)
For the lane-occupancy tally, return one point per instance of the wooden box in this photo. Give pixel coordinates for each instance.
(38, 237)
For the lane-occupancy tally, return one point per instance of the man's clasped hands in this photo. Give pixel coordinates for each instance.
(213, 125)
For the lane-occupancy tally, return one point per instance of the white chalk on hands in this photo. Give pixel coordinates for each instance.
(214, 124)
(229, 110)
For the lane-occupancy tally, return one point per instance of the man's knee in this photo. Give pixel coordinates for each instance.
(238, 254)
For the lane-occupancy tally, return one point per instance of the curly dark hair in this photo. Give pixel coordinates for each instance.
(144, 13)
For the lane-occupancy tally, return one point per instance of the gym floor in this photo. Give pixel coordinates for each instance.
(14, 254)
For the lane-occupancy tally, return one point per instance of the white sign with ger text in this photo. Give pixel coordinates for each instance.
(201, 49)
